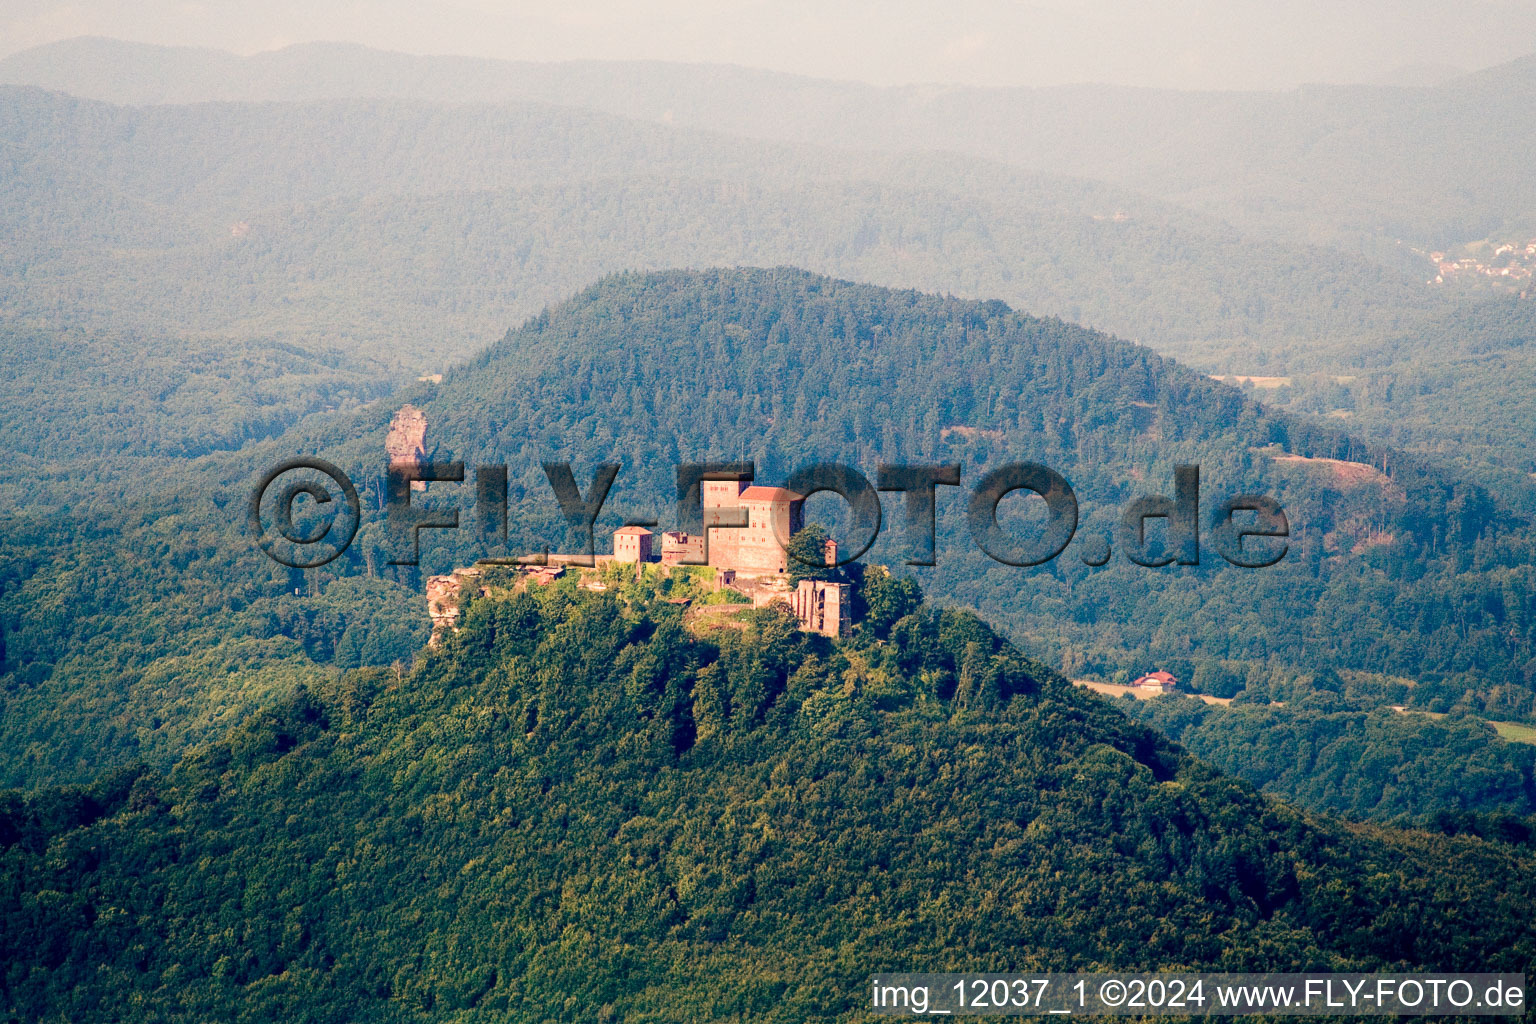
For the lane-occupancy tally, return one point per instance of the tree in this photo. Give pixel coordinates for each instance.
(1216, 679)
(807, 556)
(887, 599)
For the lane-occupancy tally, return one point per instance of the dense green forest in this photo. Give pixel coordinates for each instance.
(873, 375)
(580, 808)
(784, 368)
(1466, 402)
(149, 393)
(1318, 749)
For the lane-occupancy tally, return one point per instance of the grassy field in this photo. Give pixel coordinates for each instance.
(1516, 732)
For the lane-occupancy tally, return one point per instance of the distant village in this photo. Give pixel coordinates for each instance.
(1510, 265)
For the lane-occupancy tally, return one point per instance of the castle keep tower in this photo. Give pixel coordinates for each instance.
(756, 549)
(773, 516)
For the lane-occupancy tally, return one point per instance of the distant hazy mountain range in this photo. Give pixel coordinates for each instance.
(442, 224)
(1360, 164)
(164, 252)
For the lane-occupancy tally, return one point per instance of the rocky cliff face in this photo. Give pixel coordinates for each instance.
(406, 444)
(444, 596)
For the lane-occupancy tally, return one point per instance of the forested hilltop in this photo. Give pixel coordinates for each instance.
(130, 633)
(231, 790)
(582, 807)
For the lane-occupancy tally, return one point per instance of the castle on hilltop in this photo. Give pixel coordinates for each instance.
(752, 558)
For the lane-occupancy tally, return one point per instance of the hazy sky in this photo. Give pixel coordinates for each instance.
(1180, 43)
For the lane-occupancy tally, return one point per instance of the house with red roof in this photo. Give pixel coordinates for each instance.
(1157, 682)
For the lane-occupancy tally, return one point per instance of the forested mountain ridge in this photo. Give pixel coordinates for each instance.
(1358, 165)
(1464, 399)
(578, 809)
(789, 368)
(784, 368)
(251, 232)
(278, 199)
(249, 792)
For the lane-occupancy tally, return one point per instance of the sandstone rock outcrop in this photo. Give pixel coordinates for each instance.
(444, 596)
(406, 444)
